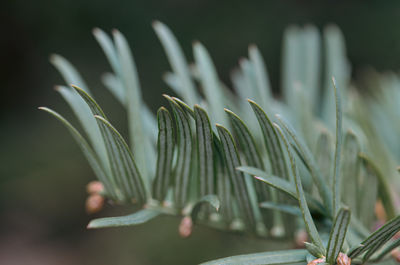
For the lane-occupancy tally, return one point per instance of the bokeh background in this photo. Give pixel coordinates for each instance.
(42, 172)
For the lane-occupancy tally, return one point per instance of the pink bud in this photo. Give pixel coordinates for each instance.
(343, 259)
(94, 203)
(185, 227)
(94, 187)
(317, 261)
(396, 254)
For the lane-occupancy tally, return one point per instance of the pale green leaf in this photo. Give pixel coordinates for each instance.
(249, 148)
(246, 81)
(184, 106)
(338, 147)
(246, 140)
(109, 50)
(378, 238)
(68, 72)
(336, 65)
(338, 235)
(274, 181)
(172, 80)
(122, 163)
(78, 106)
(285, 208)
(292, 63)
(281, 185)
(275, 154)
(368, 194)
(184, 158)
(205, 152)
(88, 122)
(178, 62)
(89, 154)
(222, 181)
(272, 142)
(237, 178)
(210, 199)
(312, 69)
(210, 83)
(261, 76)
(140, 143)
(384, 190)
(123, 168)
(258, 191)
(115, 86)
(313, 250)
(165, 145)
(323, 156)
(393, 245)
(149, 119)
(264, 258)
(305, 154)
(350, 170)
(139, 217)
(309, 222)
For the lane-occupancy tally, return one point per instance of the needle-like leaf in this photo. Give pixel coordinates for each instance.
(89, 154)
(109, 50)
(250, 150)
(337, 235)
(139, 217)
(309, 222)
(140, 142)
(258, 191)
(275, 154)
(261, 76)
(265, 258)
(237, 178)
(305, 154)
(165, 146)
(274, 181)
(272, 142)
(184, 106)
(368, 193)
(323, 157)
(336, 65)
(116, 88)
(122, 165)
(378, 238)
(313, 250)
(387, 250)
(224, 187)
(205, 151)
(384, 190)
(281, 185)
(338, 148)
(78, 105)
(178, 62)
(183, 163)
(350, 170)
(285, 208)
(210, 199)
(210, 83)
(68, 71)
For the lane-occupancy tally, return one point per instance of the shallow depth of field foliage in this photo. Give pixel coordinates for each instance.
(318, 158)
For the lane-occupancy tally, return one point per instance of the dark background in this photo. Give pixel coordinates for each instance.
(42, 172)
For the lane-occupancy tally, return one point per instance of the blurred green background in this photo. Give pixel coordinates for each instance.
(42, 172)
